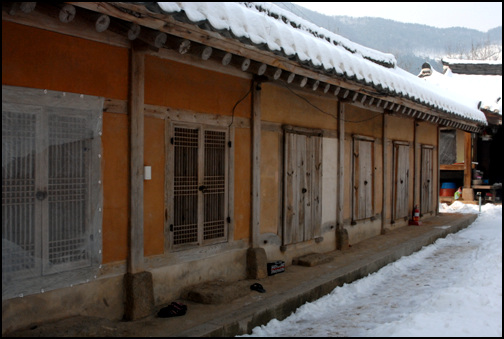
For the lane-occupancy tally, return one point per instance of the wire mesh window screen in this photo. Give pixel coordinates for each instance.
(185, 181)
(199, 185)
(68, 191)
(215, 184)
(18, 193)
(51, 205)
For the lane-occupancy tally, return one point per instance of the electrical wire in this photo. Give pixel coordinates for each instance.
(238, 102)
(331, 115)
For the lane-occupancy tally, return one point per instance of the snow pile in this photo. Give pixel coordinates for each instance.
(267, 26)
(452, 288)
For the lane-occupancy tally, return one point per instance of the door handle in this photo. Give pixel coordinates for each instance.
(41, 195)
(202, 188)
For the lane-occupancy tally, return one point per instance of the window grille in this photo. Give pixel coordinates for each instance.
(199, 186)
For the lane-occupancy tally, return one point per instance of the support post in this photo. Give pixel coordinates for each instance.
(256, 163)
(341, 233)
(385, 183)
(256, 256)
(467, 160)
(136, 247)
(138, 286)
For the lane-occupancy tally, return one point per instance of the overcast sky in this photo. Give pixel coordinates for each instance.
(477, 15)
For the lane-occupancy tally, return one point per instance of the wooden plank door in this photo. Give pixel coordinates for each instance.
(401, 180)
(302, 187)
(426, 182)
(363, 162)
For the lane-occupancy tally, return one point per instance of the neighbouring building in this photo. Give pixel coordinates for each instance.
(479, 83)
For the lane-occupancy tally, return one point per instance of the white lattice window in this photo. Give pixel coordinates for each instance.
(50, 175)
(198, 180)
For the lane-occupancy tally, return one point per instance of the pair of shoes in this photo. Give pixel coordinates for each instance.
(175, 309)
(257, 287)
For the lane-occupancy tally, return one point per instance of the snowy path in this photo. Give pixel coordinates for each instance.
(450, 288)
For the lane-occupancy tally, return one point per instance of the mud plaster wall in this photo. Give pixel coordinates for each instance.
(58, 62)
(281, 106)
(179, 86)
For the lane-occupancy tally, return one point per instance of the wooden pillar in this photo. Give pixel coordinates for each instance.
(138, 283)
(385, 186)
(341, 234)
(256, 255)
(136, 239)
(467, 160)
(256, 164)
(416, 170)
(438, 181)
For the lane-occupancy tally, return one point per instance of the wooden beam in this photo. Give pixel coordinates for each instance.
(136, 118)
(66, 13)
(226, 60)
(291, 77)
(245, 64)
(277, 74)
(303, 82)
(25, 7)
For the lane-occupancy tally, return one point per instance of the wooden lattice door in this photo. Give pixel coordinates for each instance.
(199, 210)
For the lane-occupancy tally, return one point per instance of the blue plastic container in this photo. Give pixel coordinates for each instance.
(449, 185)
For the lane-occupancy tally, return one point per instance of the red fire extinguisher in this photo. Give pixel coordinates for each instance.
(416, 217)
(416, 214)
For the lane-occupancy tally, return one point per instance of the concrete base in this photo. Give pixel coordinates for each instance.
(217, 292)
(342, 242)
(313, 259)
(139, 295)
(257, 263)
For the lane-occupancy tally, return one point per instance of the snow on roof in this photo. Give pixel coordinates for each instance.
(267, 26)
(472, 89)
(474, 62)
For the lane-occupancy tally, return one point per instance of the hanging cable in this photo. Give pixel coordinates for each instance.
(331, 115)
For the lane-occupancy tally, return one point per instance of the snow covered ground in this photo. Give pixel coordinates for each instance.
(450, 288)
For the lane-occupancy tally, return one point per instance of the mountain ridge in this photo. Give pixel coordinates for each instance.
(412, 44)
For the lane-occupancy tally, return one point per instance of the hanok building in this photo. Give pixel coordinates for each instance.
(479, 84)
(148, 147)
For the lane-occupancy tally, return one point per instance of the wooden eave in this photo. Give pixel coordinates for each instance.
(179, 33)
